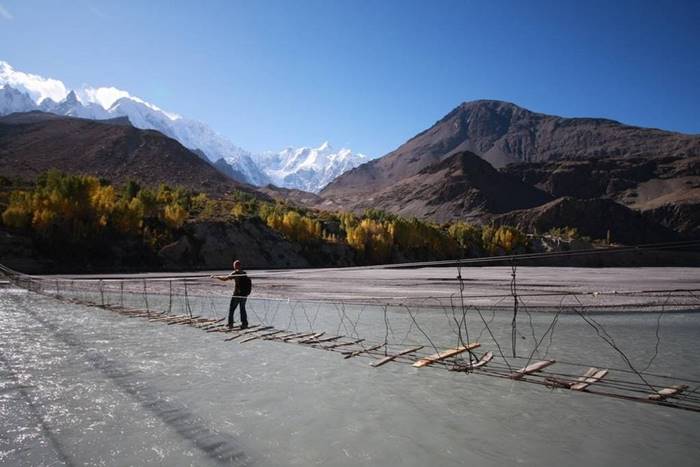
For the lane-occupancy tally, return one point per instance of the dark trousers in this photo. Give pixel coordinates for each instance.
(235, 301)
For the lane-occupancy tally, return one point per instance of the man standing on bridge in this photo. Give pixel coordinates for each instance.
(240, 293)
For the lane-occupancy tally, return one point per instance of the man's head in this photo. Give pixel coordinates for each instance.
(236, 265)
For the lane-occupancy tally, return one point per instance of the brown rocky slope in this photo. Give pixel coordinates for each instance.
(460, 187)
(34, 142)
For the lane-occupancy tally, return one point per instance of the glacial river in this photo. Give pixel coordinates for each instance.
(86, 386)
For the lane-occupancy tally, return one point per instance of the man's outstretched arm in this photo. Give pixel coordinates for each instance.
(222, 278)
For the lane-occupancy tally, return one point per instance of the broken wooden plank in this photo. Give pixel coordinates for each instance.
(671, 391)
(593, 375)
(445, 354)
(484, 360)
(537, 366)
(259, 336)
(355, 353)
(389, 358)
(474, 364)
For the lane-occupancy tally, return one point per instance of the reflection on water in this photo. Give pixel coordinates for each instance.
(81, 386)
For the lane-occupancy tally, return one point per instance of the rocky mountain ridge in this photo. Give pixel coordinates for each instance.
(648, 170)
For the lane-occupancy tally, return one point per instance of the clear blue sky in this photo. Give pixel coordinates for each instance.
(367, 74)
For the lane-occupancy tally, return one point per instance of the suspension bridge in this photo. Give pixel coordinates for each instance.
(450, 329)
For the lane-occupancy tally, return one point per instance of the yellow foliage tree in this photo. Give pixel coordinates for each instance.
(503, 239)
(19, 212)
(174, 215)
(468, 236)
(372, 238)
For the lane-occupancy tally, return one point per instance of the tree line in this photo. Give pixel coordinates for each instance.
(79, 210)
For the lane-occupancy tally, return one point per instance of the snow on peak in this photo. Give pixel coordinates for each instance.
(306, 168)
(37, 87)
(105, 96)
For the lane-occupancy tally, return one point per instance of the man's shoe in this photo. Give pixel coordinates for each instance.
(244, 326)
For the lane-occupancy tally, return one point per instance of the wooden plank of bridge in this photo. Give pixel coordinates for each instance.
(138, 312)
(193, 320)
(303, 335)
(320, 341)
(446, 354)
(183, 321)
(248, 331)
(177, 320)
(535, 367)
(152, 318)
(355, 353)
(389, 358)
(286, 335)
(342, 344)
(671, 391)
(198, 323)
(236, 328)
(210, 323)
(259, 336)
(312, 337)
(167, 317)
(204, 322)
(592, 375)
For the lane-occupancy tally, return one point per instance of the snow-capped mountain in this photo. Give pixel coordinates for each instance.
(308, 169)
(12, 100)
(33, 92)
(72, 107)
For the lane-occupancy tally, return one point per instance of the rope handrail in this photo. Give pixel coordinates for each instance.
(440, 263)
